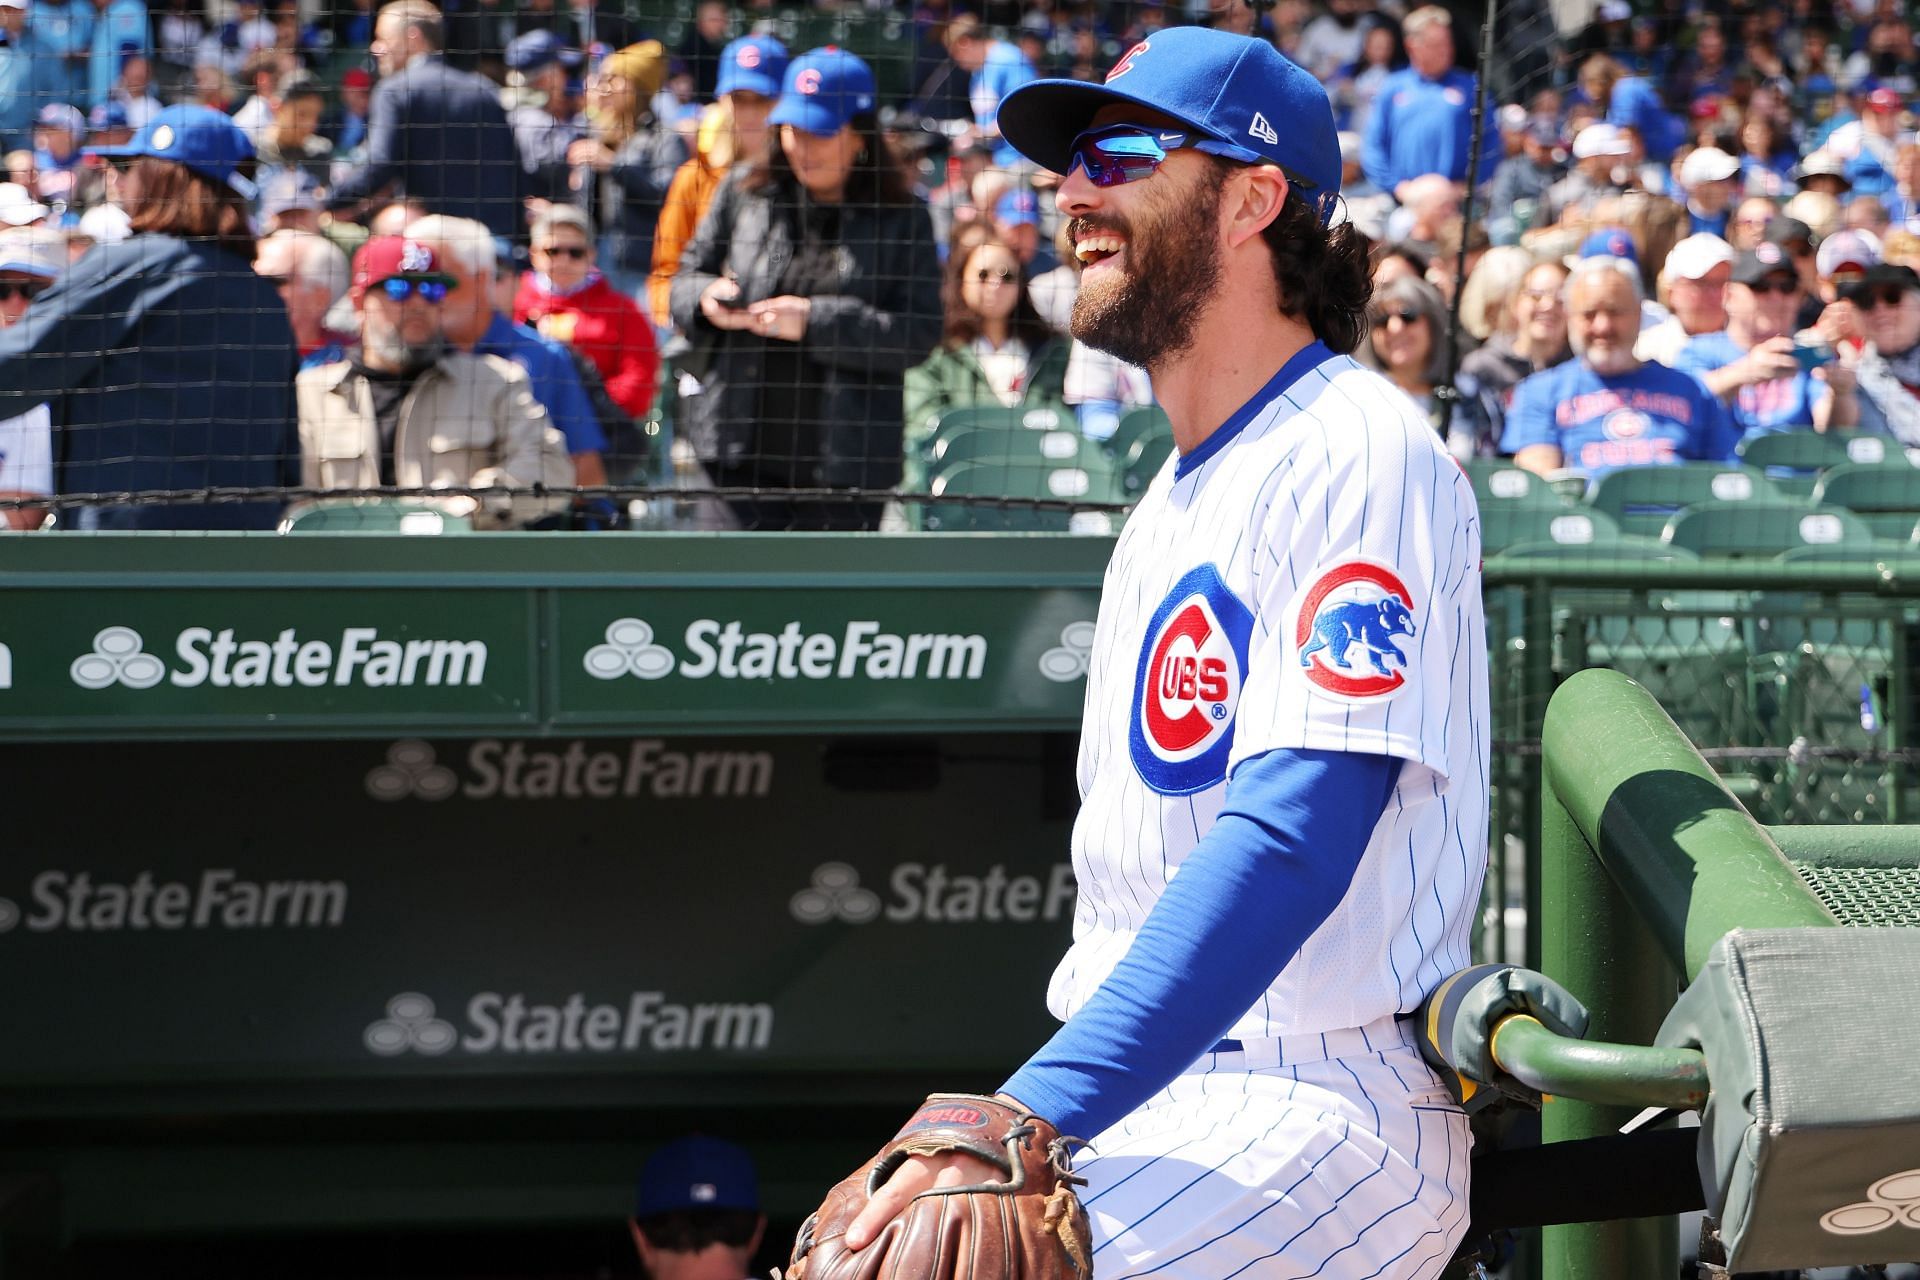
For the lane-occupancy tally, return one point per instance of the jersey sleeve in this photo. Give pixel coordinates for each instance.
(1529, 421)
(1366, 568)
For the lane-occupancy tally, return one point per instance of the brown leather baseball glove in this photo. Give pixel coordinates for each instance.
(1029, 1227)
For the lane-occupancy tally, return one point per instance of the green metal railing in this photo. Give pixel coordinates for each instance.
(1647, 859)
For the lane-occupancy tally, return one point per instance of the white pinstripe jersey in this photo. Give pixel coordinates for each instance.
(1308, 578)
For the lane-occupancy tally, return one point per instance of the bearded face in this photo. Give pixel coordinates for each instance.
(1149, 276)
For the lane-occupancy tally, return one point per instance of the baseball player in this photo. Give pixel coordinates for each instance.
(1283, 763)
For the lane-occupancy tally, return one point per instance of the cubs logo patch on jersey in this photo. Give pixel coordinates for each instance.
(1346, 633)
(1193, 663)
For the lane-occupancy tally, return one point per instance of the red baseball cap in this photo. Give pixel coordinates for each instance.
(1883, 100)
(357, 78)
(388, 257)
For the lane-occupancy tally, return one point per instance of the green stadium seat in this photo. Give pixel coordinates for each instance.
(1619, 547)
(922, 439)
(1496, 480)
(370, 515)
(1891, 488)
(1051, 449)
(971, 417)
(1763, 528)
(1642, 499)
(1794, 460)
(1798, 450)
(1005, 478)
(1144, 422)
(1143, 463)
(1512, 524)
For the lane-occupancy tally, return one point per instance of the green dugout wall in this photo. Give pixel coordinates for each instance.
(398, 881)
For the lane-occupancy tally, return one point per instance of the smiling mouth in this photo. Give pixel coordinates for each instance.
(1097, 247)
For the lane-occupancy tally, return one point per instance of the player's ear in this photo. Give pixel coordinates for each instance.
(1254, 197)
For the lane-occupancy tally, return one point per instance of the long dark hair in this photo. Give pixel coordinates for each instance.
(1323, 274)
(964, 324)
(877, 178)
(173, 200)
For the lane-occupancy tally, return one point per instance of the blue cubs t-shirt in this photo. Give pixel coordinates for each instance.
(1649, 417)
(1784, 404)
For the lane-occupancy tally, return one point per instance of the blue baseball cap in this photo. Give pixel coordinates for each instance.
(537, 49)
(823, 90)
(204, 140)
(1017, 208)
(1609, 242)
(754, 64)
(697, 1173)
(1257, 106)
(108, 115)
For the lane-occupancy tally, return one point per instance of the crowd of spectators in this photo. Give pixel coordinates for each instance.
(499, 244)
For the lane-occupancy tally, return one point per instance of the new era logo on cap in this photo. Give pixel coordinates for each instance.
(1263, 131)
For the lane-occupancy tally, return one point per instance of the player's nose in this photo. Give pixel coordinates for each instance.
(1077, 194)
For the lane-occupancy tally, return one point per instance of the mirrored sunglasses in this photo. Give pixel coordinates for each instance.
(399, 288)
(1123, 153)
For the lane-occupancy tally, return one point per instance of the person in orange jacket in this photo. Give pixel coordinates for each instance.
(733, 129)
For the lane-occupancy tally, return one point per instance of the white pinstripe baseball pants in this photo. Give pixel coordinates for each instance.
(1339, 1157)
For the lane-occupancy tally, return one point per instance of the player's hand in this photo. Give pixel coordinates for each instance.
(784, 317)
(919, 1173)
(1769, 360)
(718, 314)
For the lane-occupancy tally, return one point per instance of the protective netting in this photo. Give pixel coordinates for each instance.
(891, 350)
(1798, 695)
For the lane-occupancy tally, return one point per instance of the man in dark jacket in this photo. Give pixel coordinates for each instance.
(440, 133)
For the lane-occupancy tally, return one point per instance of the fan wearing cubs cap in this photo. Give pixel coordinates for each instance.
(813, 285)
(1283, 707)
(168, 358)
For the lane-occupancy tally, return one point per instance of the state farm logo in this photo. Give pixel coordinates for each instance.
(410, 1025)
(1192, 663)
(503, 769)
(1894, 1201)
(410, 771)
(711, 648)
(629, 650)
(1067, 661)
(117, 659)
(225, 659)
(511, 1022)
(931, 893)
(835, 894)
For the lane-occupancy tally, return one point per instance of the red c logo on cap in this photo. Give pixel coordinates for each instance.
(749, 56)
(1125, 64)
(807, 81)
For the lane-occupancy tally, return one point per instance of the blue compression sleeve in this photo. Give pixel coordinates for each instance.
(1267, 874)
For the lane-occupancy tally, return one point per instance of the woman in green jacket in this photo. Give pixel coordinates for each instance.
(996, 350)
